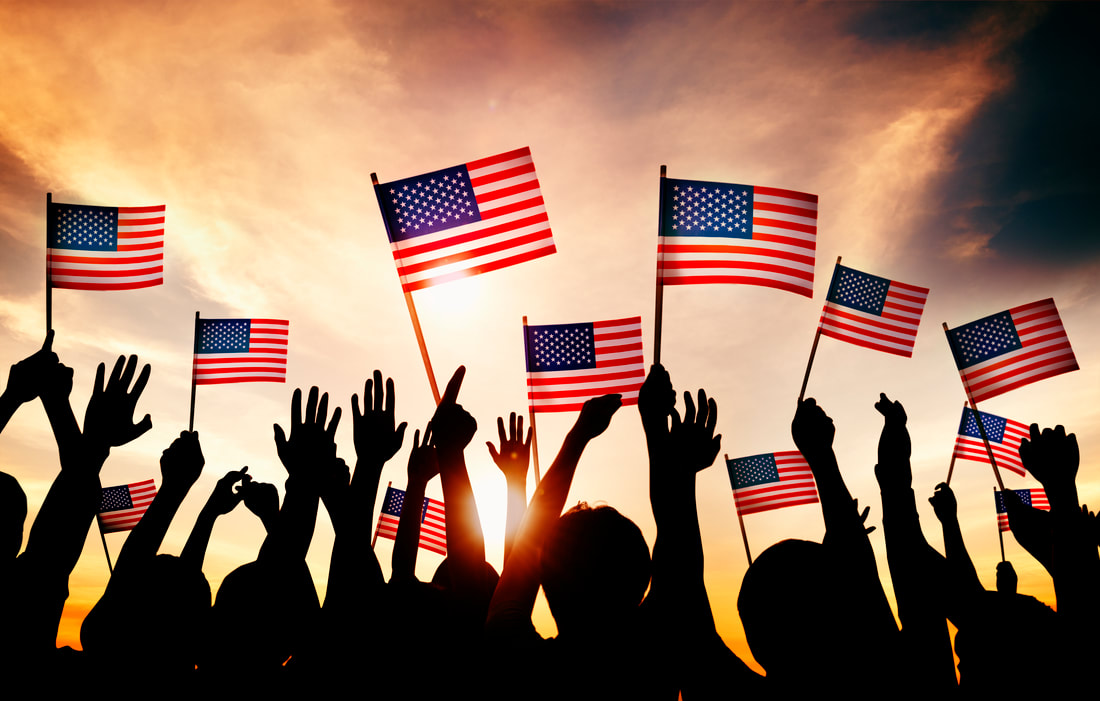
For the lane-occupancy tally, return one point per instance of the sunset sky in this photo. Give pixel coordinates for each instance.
(953, 146)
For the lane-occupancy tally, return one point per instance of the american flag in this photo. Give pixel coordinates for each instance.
(240, 350)
(568, 364)
(120, 508)
(1036, 498)
(1004, 438)
(873, 312)
(469, 219)
(719, 232)
(771, 481)
(105, 248)
(1011, 349)
(433, 521)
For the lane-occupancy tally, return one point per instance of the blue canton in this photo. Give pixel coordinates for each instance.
(857, 290)
(429, 203)
(983, 339)
(753, 470)
(561, 347)
(115, 499)
(395, 499)
(1024, 494)
(223, 335)
(994, 426)
(700, 208)
(83, 227)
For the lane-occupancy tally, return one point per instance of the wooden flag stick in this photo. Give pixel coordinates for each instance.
(409, 300)
(740, 520)
(1000, 533)
(531, 410)
(191, 421)
(974, 408)
(660, 297)
(375, 538)
(813, 350)
(49, 279)
(106, 552)
(951, 467)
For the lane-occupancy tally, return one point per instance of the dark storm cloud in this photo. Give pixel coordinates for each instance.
(1025, 177)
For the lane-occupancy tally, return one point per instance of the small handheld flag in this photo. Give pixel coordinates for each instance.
(1036, 498)
(104, 248)
(1011, 349)
(873, 312)
(433, 521)
(120, 508)
(741, 234)
(1004, 437)
(568, 364)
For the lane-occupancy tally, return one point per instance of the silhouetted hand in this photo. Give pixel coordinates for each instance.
(944, 504)
(1006, 578)
(1092, 524)
(260, 498)
(57, 383)
(27, 377)
(812, 429)
(224, 498)
(423, 461)
(376, 437)
(311, 443)
(109, 419)
(452, 426)
(514, 455)
(894, 448)
(596, 415)
(656, 398)
(181, 463)
(863, 516)
(1031, 527)
(1052, 457)
(692, 441)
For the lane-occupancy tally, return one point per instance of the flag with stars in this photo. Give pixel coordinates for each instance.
(568, 364)
(104, 248)
(724, 233)
(433, 521)
(466, 220)
(771, 481)
(1011, 349)
(1035, 498)
(1004, 439)
(120, 508)
(240, 350)
(872, 312)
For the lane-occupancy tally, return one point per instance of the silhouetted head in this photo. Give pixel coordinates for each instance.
(796, 610)
(152, 618)
(13, 514)
(261, 617)
(595, 567)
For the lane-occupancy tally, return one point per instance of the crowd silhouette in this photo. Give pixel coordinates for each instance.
(632, 623)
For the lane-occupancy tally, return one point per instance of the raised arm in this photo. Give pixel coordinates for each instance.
(514, 598)
(423, 466)
(452, 430)
(25, 380)
(917, 571)
(222, 500)
(513, 459)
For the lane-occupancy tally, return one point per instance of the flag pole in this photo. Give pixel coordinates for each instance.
(1000, 533)
(49, 279)
(531, 408)
(660, 297)
(951, 467)
(740, 519)
(974, 408)
(106, 552)
(374, 539)
(813, 348)
(191, 421)
(409, 301)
